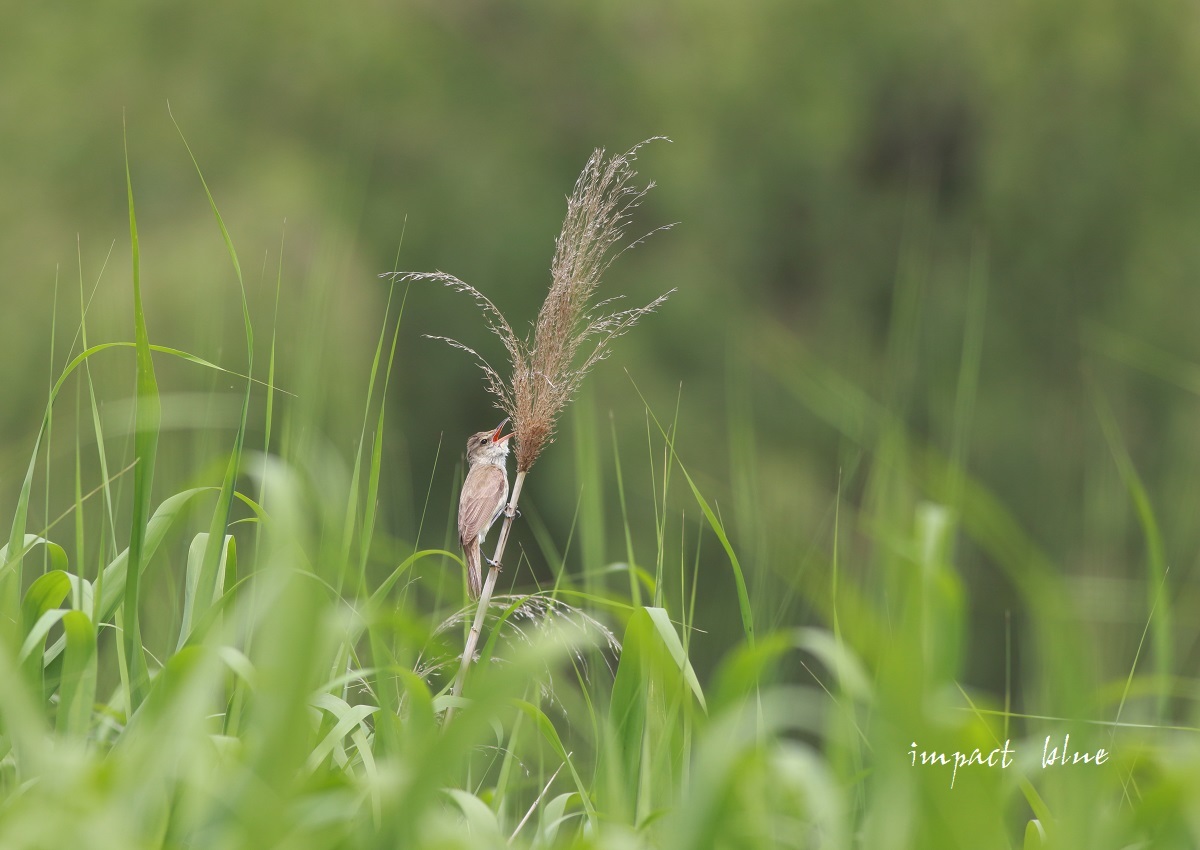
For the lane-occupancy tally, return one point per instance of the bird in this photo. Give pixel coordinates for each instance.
(483, 498)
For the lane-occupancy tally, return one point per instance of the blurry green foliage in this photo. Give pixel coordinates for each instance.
(865, 193)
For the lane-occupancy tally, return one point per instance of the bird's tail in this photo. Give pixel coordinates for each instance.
(474, 574)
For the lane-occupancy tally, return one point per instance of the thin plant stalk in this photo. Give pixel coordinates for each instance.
(485, 596)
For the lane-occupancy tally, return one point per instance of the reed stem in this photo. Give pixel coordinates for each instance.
(485, 596)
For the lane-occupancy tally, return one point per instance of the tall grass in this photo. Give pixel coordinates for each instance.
(290, 692)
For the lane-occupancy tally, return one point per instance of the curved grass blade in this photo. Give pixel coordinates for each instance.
(58, 555)
(40, 612)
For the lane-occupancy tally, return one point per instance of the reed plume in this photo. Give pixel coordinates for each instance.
(572, 332)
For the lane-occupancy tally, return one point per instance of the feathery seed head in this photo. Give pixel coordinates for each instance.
(572, 333)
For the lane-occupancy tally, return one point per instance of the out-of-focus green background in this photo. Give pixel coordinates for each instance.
(841, 171)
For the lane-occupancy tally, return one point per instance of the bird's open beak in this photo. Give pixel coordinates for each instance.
(496, 438)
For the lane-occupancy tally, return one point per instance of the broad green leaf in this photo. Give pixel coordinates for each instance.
(47, 592)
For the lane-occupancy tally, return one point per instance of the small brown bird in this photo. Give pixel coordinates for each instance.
(483, 498)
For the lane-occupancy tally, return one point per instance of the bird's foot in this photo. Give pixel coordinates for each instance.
(511, 512)
(493, 564)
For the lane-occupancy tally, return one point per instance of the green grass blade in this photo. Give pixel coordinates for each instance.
(589, 482)
(551, 735)
(375, 470)
(481, 823)
(116, 574)
(237, 266)
(347, 718)
(1158, 603)
(666, 631)
(378, 597)
(50, 420)
(57, 554)
(77, 692)
(32, 650)
(46, 593)
(98, 432)
(147, 419)
(25, 733)
(194, 584)
(14, 552)
(747, 613)
(209, 583)
(635, 593)
(40, 611)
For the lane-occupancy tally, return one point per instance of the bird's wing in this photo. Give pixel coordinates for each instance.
(482, 492)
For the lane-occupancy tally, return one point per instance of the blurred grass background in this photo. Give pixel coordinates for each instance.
(925, 251)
